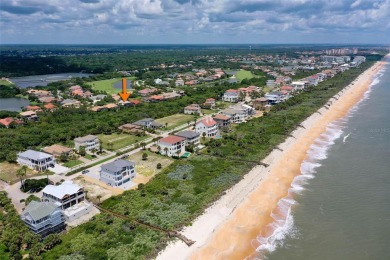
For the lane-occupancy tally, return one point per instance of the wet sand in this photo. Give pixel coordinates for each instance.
(228, 229)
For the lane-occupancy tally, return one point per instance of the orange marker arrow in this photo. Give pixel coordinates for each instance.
(124, 95)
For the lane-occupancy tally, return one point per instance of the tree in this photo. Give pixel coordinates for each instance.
(143, 145)
(94, 150)
(99, 197)
(166, 124)
(22, 172)
(159, 149)
(82, 151)
(159, 166)
(166, 150)
(64, 157)
(144, 156)
(47, 172)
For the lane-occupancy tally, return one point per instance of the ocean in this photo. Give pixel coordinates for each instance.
(339, 207)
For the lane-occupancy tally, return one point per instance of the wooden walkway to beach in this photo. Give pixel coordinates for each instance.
(170, 233)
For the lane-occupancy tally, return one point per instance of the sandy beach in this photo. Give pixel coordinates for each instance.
(228, 229)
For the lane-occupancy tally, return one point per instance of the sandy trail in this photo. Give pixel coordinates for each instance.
(227, 229)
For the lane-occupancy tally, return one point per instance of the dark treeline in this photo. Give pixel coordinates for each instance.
(64, 124)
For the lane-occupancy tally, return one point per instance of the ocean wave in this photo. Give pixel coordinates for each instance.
(282, 225)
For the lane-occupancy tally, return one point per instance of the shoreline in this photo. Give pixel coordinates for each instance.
(225, 230)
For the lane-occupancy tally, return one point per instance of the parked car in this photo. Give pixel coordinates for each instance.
(85, 171)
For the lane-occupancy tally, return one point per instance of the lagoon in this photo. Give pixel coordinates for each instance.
(13, 104)
(43, 80)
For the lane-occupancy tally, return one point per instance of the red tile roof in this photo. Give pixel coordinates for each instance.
(208, 121)
(288, 88)
(172, 139)
(232, 90)
(6, 121)
(221, 117)
(50, 106)
(33, 108)
(135, 101)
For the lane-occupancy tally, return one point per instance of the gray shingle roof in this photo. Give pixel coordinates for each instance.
(85, 138)
(34, 155)
(117, 165)
(188, 134)
(38, 210)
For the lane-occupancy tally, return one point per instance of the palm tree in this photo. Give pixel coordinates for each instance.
(143, 145)
(21, 173)
(47, 175)
(159, 149)
(166, 150)
(99, 197)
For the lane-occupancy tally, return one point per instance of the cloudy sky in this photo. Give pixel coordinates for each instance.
(194, 21)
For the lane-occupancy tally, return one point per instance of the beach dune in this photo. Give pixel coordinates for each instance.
(229, 228)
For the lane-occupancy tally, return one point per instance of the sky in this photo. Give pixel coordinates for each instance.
(194, 21)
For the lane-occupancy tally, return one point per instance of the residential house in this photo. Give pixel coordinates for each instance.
(208, 126)
(179, 82)
(172, 145)
(171, 95)
(298, 85)
(237, 116)
(271, 83)
(43, 218)
(193, 109)
(191, 137)
(29, 115)
(33, 108)
(57, 150)
(47, 99)
(147, 91)
(222, 120)
(117, 173)
(50, 107)
(148, 123)
(231, 95)
(69, 197)
(131, 128)
(156, 98)
(274, 97)
(209, 103)
(9, 120)
(260, 103)
(36, 160)
(70, 103)
(90, 142)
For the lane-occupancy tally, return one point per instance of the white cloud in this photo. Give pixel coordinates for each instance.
(190, 18)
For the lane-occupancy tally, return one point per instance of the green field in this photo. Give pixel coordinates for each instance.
(6, 83)
(72, 163)
(119, 140)
(8, 172)
(107, 85)
(208, 111)
(175, 120)
(244, 74)
(148, 167)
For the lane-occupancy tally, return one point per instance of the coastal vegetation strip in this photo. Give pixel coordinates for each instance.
(175, 197)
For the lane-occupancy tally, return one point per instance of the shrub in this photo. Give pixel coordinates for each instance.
(159, 166)
(182, 172)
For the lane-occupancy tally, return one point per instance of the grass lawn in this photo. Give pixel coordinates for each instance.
(244, 74)
(89, 157)
(119, 140)
(175, 120)
(208, 111)
(107, 85)
(6, 83)
(72, 163)
(148, 168)
(8, 172)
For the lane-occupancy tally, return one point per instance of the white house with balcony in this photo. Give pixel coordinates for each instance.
(117, 173)
(193, 109)
(69, 197)
(172, 145)
(89, 142)
(208, 126)
(36, 160)
(43, 218)
(231, 95)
